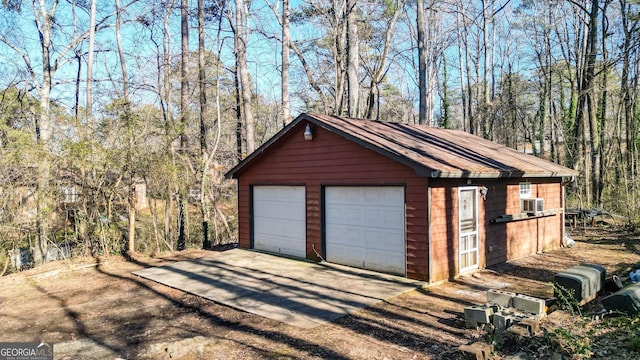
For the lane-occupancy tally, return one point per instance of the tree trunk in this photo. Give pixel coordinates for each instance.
(168, 228)
(586, 121)
(339, 40)
(353, 84)
(129, 125)
(445, 121)
(486, 101)
(239, 127)
(44, 23)
(593, 149)
(630, 26)
(76, 107)
(461, 64)
(380, 64)
(206, 242)
(286, 39)
(184, 72)
(132, 217)
(240, 43)
(422, 63)
(202, 79)
(90, 55)
(598, 125)
(184, 109)
(465, 66)
(182, 224)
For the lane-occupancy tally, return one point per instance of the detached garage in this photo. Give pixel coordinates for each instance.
(415, 201)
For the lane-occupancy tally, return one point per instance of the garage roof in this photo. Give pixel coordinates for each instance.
(431, 152)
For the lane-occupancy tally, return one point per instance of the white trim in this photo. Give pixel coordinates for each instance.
(525, 189)
(473, 233)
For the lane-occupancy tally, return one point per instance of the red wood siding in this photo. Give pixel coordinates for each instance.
(499, 242)
(444, 229)
(331, 160)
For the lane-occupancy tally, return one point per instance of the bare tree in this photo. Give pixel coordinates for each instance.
(241, 36)
(486, 101)
(90, 56)
(588, 151)
(184, 110)
(465, 68)
(339, 32)
(353, 83)
(286, 40)
(202, 79)
(379, 67)
(204, 112)
(422, 63)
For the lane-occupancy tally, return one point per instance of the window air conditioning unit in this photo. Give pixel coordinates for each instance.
(535, 205)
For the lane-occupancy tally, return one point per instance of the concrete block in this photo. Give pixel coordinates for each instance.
(529, 304)
(475, 315)
(626, 300)
(499, 297)
(502, 321)
(532, 325)
(495, 307)
(477, 351)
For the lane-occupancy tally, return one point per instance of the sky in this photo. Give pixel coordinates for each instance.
(264, 55)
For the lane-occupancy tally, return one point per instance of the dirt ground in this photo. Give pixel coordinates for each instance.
(95, 309)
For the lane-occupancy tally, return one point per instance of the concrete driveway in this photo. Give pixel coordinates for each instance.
(300, 293)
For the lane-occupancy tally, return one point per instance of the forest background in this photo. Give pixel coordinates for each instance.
(118, 119)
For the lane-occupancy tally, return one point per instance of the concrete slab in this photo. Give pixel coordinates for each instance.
(300, 293)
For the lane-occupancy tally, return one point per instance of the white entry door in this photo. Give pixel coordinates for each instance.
(365, 227)
(468, 228)
(279, 219)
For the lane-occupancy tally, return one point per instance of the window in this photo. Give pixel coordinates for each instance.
(532, 206)
(525, 190)
(529, 204)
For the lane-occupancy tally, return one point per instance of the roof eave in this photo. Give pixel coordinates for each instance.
(498, 174)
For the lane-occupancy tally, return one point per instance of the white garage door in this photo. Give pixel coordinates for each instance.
(365, 227)
(279, 219)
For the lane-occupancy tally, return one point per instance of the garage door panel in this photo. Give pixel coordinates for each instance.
(393, 217)
(365, 227)
(372, 216)
(394, 239)
(268, 243)
(350, 237)
(344, 215)
(380, 259)
(279, 219)
(383, 240)
(278, 228)
(341, 255)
